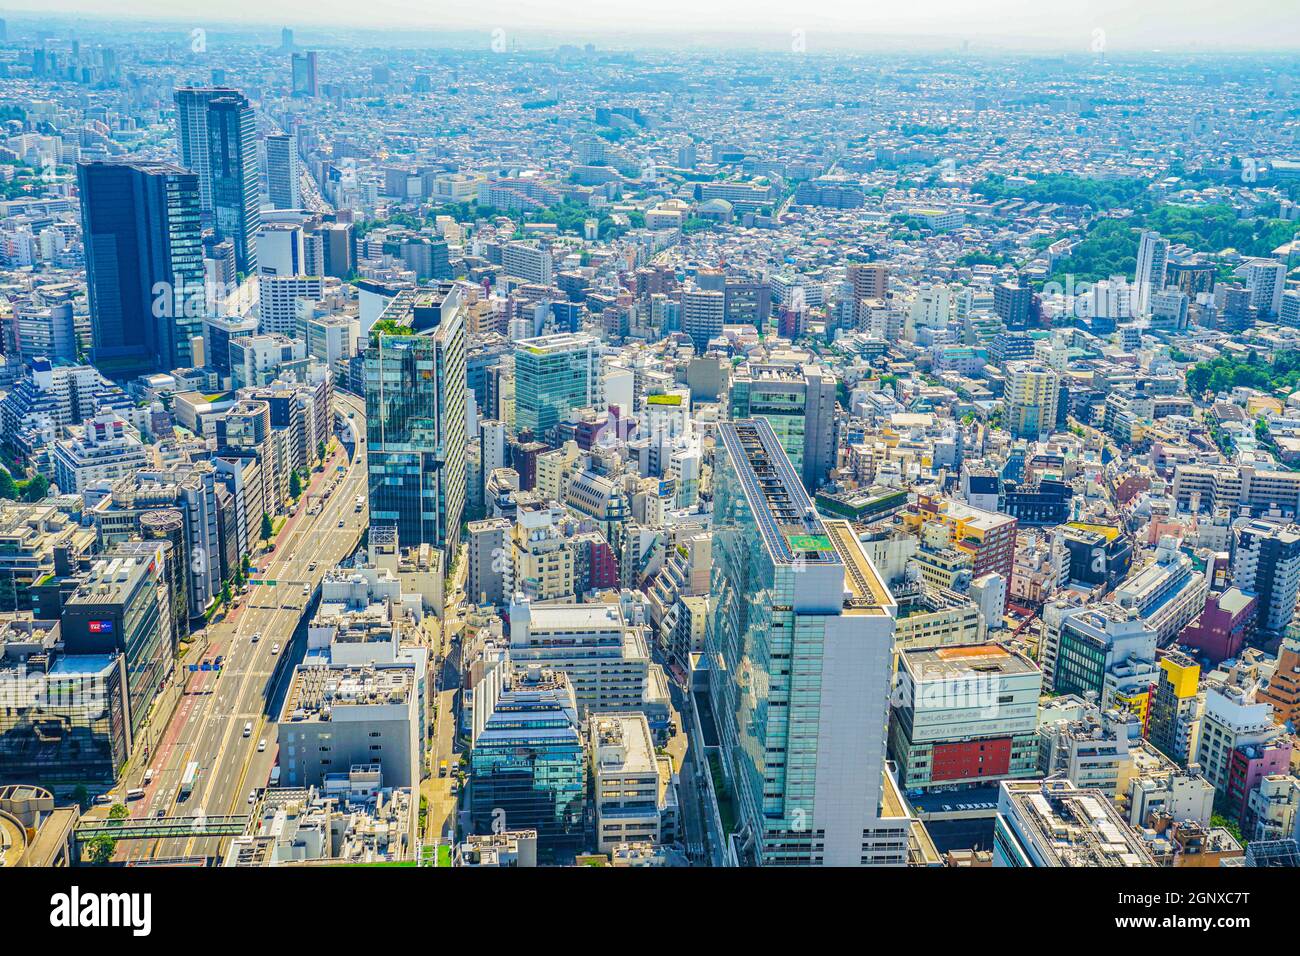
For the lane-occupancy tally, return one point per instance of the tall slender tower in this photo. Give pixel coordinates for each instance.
(304, 74)
(282, 174)
(232, 166)
(192, 137)
(1152, 263)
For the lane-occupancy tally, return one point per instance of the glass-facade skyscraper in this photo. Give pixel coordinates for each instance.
(799, 404)
(192, 137)
(528, 760)
(232, 164)
(415, 416)
(800, 649)
(554, 374)
(144, 264)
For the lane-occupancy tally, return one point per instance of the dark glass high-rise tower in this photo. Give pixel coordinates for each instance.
(232, 164)
(144, 264)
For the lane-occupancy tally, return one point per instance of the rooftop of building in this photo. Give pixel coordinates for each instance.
(1075, 827)
(575, 617)
(786, 518)
(865, 590)
(622, 743)
(317, 690)
(963, 660)
(111, 580)
(560, 342)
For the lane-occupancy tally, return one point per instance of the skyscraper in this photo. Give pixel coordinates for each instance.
(703, 313)
(1266, 280)
(415, 416)
(800, 645)
(282, 173)
(554, 374)
(192, 137)
(870, 280)
(1152, 261)
(799, 404)
(304, 74)
(144, 264)
(1012, 304)
(527, 757)
(232, 164)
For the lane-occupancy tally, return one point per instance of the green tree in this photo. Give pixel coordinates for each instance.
(225, 593)
(8, 488)
(118, 811)
(267, 530)
(320, 452)
(295, 485)
(36, 488)
(101, 849)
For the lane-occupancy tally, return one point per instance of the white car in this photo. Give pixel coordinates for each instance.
(252, 796)
(275, 648)
(257, 637)
(261, 745)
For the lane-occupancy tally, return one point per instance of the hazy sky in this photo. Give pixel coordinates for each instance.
(1122, 25)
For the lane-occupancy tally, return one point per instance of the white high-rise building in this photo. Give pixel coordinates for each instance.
(281, 250)
(282, 173)
(1152, 262)
(703, 314)
(1266, 280)
(932, 307)
(280, 295)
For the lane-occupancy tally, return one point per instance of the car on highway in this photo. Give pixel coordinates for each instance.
(261, 745)
(104, 798)
(252, 796)
(135, 793)
(257, 637)
(148, 776)
(340, 522)
(275, 648)
(248, 729)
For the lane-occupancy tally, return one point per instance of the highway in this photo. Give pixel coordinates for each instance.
(208, 724)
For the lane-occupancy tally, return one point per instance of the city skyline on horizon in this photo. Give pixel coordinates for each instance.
(1099, 27)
